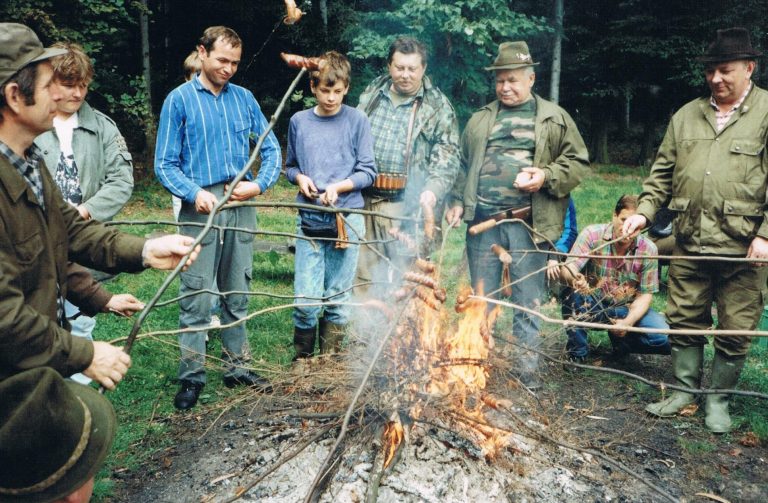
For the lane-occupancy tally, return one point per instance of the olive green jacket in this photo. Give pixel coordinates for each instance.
(34, 252)
(560, 152)
(104, 163)
(435, 151)
(714, 182)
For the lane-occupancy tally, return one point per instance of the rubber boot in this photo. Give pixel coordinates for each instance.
(686, 363)
(331, 336)
(725, 375)
(304, 342)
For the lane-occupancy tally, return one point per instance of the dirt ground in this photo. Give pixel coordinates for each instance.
(215, 457)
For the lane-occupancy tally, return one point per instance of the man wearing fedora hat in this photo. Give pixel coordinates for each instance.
(41, 232)
(521, 157)
(54, 437)
(712, 168)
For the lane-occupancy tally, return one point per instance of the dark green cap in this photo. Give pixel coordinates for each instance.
(19, 46)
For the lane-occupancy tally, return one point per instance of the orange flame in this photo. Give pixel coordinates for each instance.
(393, 437)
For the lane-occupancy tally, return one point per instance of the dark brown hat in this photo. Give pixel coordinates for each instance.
(54, 435)
(512, 55)
(19, 46)
(731, 44)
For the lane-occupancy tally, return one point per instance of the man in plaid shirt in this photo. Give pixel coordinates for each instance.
(614, 290)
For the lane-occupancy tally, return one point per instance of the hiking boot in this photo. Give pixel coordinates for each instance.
(250, 379)
(725, 375)
(686, 363)
(331, 336)
(304, 342)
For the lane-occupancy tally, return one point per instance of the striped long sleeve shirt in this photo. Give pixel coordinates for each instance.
(204, 139)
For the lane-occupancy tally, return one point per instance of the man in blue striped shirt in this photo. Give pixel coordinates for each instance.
(206, 127)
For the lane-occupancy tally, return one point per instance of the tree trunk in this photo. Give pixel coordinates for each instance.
(600, 153)
(324, 13)
(554, 83)
(149, 120)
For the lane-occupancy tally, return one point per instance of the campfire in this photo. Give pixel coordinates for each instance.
(435, 361)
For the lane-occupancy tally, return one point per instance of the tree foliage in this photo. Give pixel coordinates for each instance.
(626, 64)
(462, 37)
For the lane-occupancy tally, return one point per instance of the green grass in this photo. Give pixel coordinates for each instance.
(696, 447)
(143, 401)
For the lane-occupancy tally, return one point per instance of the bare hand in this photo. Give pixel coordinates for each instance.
(124, 304)
(205, 201)
(306, 186)
(633, 224)
(166, 252)
(453, 216)
(109, 364)
(331, 195)
(620, 329)
(529, 179)
(83, 212)
(758, 248)
(553, 270)
(580, 283)
(244, 191)
(428, 198)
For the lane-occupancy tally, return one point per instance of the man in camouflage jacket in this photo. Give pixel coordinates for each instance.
(416, 144)
(521, 156)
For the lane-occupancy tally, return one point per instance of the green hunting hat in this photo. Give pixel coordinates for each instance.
(19, 46)
(54, 435)
(512, 55)
(731, 44)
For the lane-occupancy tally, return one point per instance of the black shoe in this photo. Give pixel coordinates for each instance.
(624, 359)
(187, 396)
(250, 379)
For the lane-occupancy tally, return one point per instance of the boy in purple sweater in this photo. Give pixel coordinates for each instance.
(330, 157)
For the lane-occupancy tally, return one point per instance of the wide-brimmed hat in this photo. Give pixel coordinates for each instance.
(731, 44)
(19, 46)
(54, 435)
(512, 55)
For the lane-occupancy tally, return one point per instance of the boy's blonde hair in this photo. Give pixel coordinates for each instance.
(74, 67)
(192, 65)
(335, 68)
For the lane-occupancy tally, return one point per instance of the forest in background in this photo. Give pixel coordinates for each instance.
(624, 65)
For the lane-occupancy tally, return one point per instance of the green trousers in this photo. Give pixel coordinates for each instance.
(733, 287)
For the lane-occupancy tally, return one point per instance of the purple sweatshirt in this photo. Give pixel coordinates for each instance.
(329, 150)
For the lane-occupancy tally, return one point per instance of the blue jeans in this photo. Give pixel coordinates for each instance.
(226, 260)
(82, 326)
(589, 308)
(321, 270)
(485, 273)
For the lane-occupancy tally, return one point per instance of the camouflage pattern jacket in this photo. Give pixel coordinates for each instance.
(434, 161)
(714, 182)
(560, 152)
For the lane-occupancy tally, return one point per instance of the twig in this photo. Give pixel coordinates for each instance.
(351, 407)
(605, 326)
(604, 457)
(654, 384)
